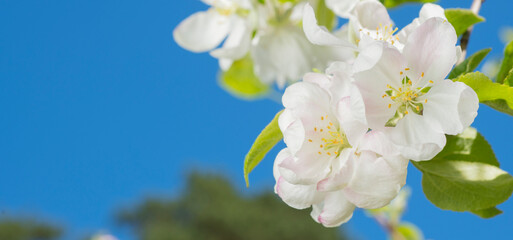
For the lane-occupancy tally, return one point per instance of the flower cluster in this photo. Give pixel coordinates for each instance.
(269, 31)
(351, 131)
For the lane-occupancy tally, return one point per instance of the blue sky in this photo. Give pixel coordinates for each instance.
(101, 108)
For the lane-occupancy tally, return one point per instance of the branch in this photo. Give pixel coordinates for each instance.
(476, 6)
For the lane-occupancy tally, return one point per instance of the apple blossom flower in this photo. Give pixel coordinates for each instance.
(332, 161)
(280, 50)
(407, 96)
(369, 24)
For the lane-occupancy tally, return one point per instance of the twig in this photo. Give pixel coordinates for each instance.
(476, 6)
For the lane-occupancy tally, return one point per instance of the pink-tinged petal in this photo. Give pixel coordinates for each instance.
(287, 174)
(307, 100)
(308, 167)
(373, 84)
(371, 14)
(333, 211)
(317, 34)
(416, 138)
(297, 196)
(428, 11)
(320, 79)
(376, 180)
(342, 171)
(452, 106)
(431, 49)
(377, 141)
(202, 31)
(342, 8)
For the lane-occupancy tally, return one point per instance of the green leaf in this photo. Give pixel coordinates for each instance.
(487, 213)
(395, 3)
(265, 141)
(241, 81)
(495, 95)
(507, 63)
(466, 176)
(462, 19)
(469, 146)
(509, 79)
(409, 231)
(470, 64)
(325, 17)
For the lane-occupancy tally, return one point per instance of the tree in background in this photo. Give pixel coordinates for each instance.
(212, 209)
(11, 229)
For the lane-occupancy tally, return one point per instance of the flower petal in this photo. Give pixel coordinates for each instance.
(297, 196)
(430, 10)
(376, 180)
(416, 138)
(376, 141)
(342, 171)
(451, 105)
(317, 34)
(370, 14)
(237, 44)
(333, 211)
(202, 31)
(342, 8)
(431, 49)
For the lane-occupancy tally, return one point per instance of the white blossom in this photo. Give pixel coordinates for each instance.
(332, 162)
(407, 96)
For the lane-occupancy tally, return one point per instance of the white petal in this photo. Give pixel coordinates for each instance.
(351, 115)
(202, 31)
(431, 49)
(370, 52)
(308, 100)
(371, 14)
(451, 105)
(376, 180)
(317, 34)
(342, 8)
(376, 141)
(292, 129)
(297, 196)
(430, 10)
(342, 171)
(416, 138)
(284, 54)
(333, 211)
(238, 42)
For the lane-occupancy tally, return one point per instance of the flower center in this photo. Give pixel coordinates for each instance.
(228, 9)
(328, 137)
(385, 33)
(407, 98)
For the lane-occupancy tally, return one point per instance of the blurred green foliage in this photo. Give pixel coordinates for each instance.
(212, 209)
(28, 230)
